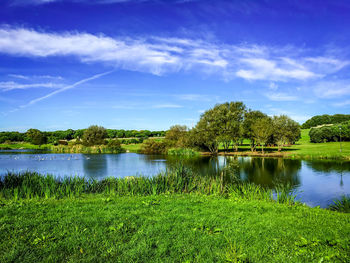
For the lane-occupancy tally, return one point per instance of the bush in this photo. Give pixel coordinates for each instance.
(330, 133)
(325, 119)
(153, 147)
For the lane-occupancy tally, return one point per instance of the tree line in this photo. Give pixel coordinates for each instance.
(325, 119)
(227, 125)
(330, 133)
(54, 136)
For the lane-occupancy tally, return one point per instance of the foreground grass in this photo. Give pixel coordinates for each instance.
(169, 228)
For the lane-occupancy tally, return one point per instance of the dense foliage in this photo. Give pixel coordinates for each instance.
(331, 133)
(325, 119)
(54, 136)
(36, 137)
(228, 124)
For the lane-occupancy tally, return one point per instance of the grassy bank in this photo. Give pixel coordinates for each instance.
(172, 217)
(169, 228)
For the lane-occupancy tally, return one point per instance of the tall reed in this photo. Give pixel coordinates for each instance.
(180, 179)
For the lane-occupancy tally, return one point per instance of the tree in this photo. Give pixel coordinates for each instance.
(36, 137)
(177, 136)
(285, 130)
(94, 135)
(262, 130)
(250, 118)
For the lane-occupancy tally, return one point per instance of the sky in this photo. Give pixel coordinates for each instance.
(150, 64)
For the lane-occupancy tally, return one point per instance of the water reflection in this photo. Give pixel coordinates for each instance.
(95, 166)
(317, 182)
(270, 172)
(329, 166)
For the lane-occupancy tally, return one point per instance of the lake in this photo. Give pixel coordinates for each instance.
(316, 182)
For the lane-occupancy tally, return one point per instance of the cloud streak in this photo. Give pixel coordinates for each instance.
(10, 85)
(80, 82)
(159, 55)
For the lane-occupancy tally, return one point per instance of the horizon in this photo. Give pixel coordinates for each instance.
(148, 65)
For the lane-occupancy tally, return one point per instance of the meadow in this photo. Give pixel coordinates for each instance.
(173, 217)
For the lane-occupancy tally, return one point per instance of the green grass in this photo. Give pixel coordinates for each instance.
(24, 145)
(303, 149)
(183, 152)
(328, 150)
(169, 228)
(135, 148)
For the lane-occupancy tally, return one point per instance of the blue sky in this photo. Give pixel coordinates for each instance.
(138, 64)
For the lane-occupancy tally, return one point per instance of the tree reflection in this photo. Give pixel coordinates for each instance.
(95, 165)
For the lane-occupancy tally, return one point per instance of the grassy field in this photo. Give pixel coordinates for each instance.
(302, 149)
(132, 147)
(305, 149)
(169, 228)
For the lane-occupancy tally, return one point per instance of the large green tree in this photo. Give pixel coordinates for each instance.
(36, 137)
(285, 130)
(177, 136)
(262, 129)
(94, 135)
(250, 118)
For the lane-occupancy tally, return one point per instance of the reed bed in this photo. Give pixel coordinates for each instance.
(79, 148)
(180, 180)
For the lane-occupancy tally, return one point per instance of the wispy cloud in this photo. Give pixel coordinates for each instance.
(194, 97)
(159, 55)
(342, 103)
(32, 77)
(10, 85)
(281, 97)
(332, 89)
(167, 106)
(34, 101)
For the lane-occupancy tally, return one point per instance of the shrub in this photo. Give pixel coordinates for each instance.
(153, 147)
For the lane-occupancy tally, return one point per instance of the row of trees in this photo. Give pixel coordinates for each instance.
(330, 133)
(55, 136)
(325, 119)
(231, 122)
(228, 124)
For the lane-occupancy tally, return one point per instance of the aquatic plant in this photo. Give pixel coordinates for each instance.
(341, 205)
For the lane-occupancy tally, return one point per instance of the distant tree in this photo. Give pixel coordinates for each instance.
(36, 137)
(250, 118)
(262, 130)
(153, 147)
(177, 136)
(94, 135)
(285, 130)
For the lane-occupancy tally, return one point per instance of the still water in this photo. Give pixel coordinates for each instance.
(314, 182)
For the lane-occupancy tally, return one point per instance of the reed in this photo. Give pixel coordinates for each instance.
(341, 205)
(180, 180)
(183, 152)
(79, 148)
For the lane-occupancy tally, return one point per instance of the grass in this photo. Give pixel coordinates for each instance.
(169, 228)
(24, 145)
(28, 185)
(135, 148)
(177, 216)
(328, 150)
(303, 149)
(183, 152)
(341, 205)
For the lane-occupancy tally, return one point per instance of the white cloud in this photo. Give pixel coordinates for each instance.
(281, 97)
(332, 89)
(166, 106)
(10, 85)
(34, 101)
(159, 55)
(342, 103)
(194, 97)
